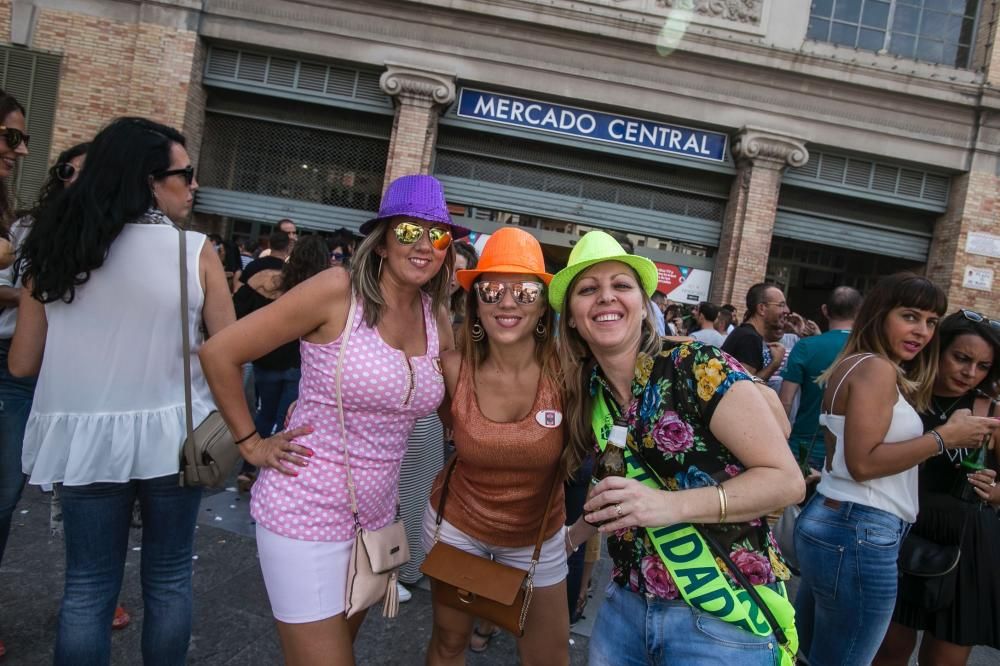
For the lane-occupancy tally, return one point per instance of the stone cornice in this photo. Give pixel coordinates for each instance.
(768, 148)
(431, 86)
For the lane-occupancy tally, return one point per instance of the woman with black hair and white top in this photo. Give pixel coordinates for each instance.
(848, 536)
(958, 506)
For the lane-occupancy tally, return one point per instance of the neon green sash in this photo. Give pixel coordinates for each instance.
(694, 569)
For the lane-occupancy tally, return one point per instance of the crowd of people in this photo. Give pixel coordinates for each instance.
(514, 413)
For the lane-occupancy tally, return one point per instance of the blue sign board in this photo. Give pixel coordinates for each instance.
(594, 125)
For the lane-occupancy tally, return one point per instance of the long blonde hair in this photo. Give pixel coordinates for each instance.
(578, 363)
(915, 378)
(366, 267)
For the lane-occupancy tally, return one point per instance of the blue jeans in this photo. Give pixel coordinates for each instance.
(847, 554)
(632, 630)
(276, 390)
(96, 522)
(15, 405)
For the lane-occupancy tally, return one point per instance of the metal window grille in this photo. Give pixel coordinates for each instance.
(874, 177)
(581, 174)
(292, 162)
(33, 78)
(939, 31)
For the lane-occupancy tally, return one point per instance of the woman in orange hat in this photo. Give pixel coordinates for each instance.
(504, 487)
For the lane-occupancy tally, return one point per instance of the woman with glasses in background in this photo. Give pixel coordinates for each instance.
(390, 377)
(958, 506)
(505, 405)
(108, 418)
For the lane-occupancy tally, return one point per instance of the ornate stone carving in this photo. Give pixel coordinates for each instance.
(433, 86)
(777, 149)
(741, 11)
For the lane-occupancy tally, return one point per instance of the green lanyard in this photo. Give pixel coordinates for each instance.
(694, 569)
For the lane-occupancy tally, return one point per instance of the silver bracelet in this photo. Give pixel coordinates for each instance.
(937, 438)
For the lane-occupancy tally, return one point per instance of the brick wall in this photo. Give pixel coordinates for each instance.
(414, 133)
(746, 232)
(973, 207)
(114, 68)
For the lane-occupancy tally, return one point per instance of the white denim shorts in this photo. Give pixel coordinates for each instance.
(550, 570)
(306, 581)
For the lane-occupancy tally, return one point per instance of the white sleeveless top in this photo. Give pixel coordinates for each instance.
(897, 493)
(109, 404)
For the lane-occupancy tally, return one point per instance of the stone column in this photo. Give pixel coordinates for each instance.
(761, 158)
(420, 95)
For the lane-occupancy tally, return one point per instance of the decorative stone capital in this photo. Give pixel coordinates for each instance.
(739, 11)
(773, 149)
(425, 86)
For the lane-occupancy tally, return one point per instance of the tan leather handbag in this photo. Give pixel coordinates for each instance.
(376, 554)
(209, 452)
(478, 586)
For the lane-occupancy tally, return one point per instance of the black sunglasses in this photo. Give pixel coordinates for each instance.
(187, 172)
(65, 171)
(339, 257)
(972, 315)
(14, 137)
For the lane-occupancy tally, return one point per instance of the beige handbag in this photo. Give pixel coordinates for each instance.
(376, 554)
(209, 452)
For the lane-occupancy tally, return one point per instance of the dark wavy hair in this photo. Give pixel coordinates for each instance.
(8, 105)
(310, 255)
(957, 324)
(458, 298)
(75, 229)
(53, 183)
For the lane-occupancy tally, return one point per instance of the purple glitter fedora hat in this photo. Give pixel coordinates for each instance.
(416, 196)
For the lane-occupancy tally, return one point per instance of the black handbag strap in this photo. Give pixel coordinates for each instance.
(188, 451)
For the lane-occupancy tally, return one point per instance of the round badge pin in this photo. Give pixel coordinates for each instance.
(549, 418)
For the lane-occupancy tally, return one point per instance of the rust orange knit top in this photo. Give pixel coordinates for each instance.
(505, 470)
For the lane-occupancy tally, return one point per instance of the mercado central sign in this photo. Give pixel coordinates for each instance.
(594, 125)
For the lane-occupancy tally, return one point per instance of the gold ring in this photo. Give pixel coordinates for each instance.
(618, 510)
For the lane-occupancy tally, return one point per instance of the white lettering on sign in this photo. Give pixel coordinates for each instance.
(978, 278)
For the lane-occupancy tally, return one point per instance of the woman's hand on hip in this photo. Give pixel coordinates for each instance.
(617, 503)
(278, 451)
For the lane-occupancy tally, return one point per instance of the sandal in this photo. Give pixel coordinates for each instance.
(122, 618)
(486, 638)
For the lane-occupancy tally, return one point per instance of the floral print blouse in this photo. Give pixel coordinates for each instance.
(674, 395)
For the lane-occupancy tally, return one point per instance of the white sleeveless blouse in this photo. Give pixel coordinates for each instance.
(109, 404)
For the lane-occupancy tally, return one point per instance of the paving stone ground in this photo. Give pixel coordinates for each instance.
(233, 624)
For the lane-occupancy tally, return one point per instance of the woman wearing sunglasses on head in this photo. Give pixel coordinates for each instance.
(679, 466)
(958, 503)
(849, 534)
(504, 402)
(108, 417)
(390, 378)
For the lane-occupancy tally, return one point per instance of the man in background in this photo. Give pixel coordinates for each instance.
(810, 358)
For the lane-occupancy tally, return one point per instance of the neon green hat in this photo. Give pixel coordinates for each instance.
(596, 247)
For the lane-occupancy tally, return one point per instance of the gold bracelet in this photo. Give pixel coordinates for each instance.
(723, 503)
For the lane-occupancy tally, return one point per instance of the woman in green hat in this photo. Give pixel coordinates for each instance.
(689, 458)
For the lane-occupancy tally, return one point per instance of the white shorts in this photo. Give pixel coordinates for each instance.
(306, 581)
(550, 570)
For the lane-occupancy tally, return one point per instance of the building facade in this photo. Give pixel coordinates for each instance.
(809, 144)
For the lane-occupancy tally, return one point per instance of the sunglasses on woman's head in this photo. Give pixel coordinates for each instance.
(972, 315)
(408, 233)
(339, 257)
(65, 171)
(187, 172)
(491, 292)
(14, 137)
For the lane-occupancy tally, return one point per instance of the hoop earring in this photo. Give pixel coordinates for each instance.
(477, 334)
(540, 330)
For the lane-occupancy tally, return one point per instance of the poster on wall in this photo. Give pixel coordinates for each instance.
(683, 284)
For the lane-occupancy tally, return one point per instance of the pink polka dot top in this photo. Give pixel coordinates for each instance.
(385, 392)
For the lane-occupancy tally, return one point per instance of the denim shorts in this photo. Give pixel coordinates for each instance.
(634, 630)
(847, 555)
